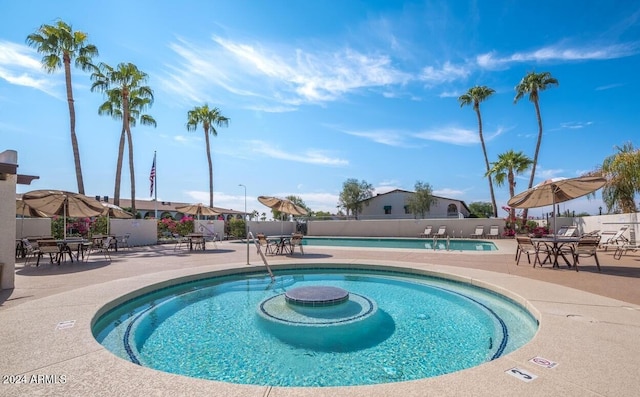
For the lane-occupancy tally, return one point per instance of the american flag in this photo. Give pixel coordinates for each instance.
(152, 175)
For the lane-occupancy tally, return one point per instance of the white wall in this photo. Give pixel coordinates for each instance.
(28, 227)
(142, 231)
(272, 228)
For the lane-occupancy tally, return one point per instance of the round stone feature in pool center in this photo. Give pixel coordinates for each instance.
(318, 295)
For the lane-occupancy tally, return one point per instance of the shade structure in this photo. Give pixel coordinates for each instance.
(62, 203)
(282, 205)
(556, 190)
(23, 210)
(198, 210)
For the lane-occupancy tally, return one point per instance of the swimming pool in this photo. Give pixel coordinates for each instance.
(413, 327)
(413, 243)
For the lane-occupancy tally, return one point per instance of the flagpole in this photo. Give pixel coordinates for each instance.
(155, 198)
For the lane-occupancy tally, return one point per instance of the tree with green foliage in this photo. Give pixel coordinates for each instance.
(622, 171)
(474, 96)
(60, 45)
(127, 97)
(353, 194)
(210, 119)
(532, 84)
(420, 202)
(509, 165)
(481, 209)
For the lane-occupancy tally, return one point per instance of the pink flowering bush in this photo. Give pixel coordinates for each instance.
(167, 226)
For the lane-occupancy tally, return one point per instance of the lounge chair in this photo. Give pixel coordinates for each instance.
(562, 230)
(631, 245)
(587, 246)
(442, 232)
(479, 232)
(615, 240)
(296, 241)
(570, 231)
(427, 231)
(494, 231)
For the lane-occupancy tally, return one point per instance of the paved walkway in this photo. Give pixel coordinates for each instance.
(589, 323)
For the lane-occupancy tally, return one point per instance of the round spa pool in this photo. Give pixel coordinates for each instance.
(315, 327)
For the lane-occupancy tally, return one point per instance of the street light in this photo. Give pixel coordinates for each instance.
(246, 224)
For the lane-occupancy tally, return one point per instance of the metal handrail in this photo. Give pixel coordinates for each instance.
(264, 258)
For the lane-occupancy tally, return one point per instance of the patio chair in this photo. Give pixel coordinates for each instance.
(615, 240)
(123, 241)
(427, 231)
(50, 247)
(525, 246)
(102, 246)
(442, 232)
(270, 247)
(587, 246)
(494, 231)
(479, 232)
(180, 241)
(30, 251)
(296, 241)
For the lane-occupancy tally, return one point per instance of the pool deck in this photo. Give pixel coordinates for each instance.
(589, 324)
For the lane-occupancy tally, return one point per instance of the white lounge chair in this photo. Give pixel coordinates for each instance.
(427, 231)
(494, 231)
(442, 232)
(479, 232)
(631, 245)
(615, 240)
(570, 231)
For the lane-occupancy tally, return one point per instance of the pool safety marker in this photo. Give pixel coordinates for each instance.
(521, 374)
(66, 324)
(543, 362)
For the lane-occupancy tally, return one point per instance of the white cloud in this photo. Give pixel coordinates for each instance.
(558, 52)
(19, 66)
(453, 135)
(574, 125)
(608, 87)
(448, 192)
(385, 137)
(448, 72)
(310, 156)
(289, 76)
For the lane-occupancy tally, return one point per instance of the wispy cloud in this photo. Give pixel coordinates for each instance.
(19, 66)
(575, 125)
(458, 136)
(558, 52)
(609, 86)
(286, 76)
(446, 73)
(448, 192)
(310, 156)
(384, 137)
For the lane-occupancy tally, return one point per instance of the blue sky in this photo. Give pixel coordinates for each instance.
(319, 92)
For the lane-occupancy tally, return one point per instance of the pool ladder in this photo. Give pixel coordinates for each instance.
(264, 258)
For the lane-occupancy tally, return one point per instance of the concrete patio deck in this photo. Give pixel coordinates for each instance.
(589, 324)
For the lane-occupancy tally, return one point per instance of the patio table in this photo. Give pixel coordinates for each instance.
(556, 243)
(195, 239)
(282, 243)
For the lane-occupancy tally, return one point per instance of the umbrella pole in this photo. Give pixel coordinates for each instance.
(64, 215)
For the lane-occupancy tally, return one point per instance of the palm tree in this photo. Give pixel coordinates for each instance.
(532, 84)
(509, 165)
(209, 118)
(127, 98)
(622, 171)
(59, 45)
(474, 96)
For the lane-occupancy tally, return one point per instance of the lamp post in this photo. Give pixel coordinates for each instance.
(246, 224)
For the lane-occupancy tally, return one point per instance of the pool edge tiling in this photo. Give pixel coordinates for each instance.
(590, 337)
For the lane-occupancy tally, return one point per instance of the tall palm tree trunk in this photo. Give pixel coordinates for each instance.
(116, 192)
(486, 162)
(132, 172)
(512, 192)
(206, 137)
(72, 120)
(525, 212)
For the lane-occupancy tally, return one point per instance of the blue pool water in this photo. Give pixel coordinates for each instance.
(414, 327)
(415, 243)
